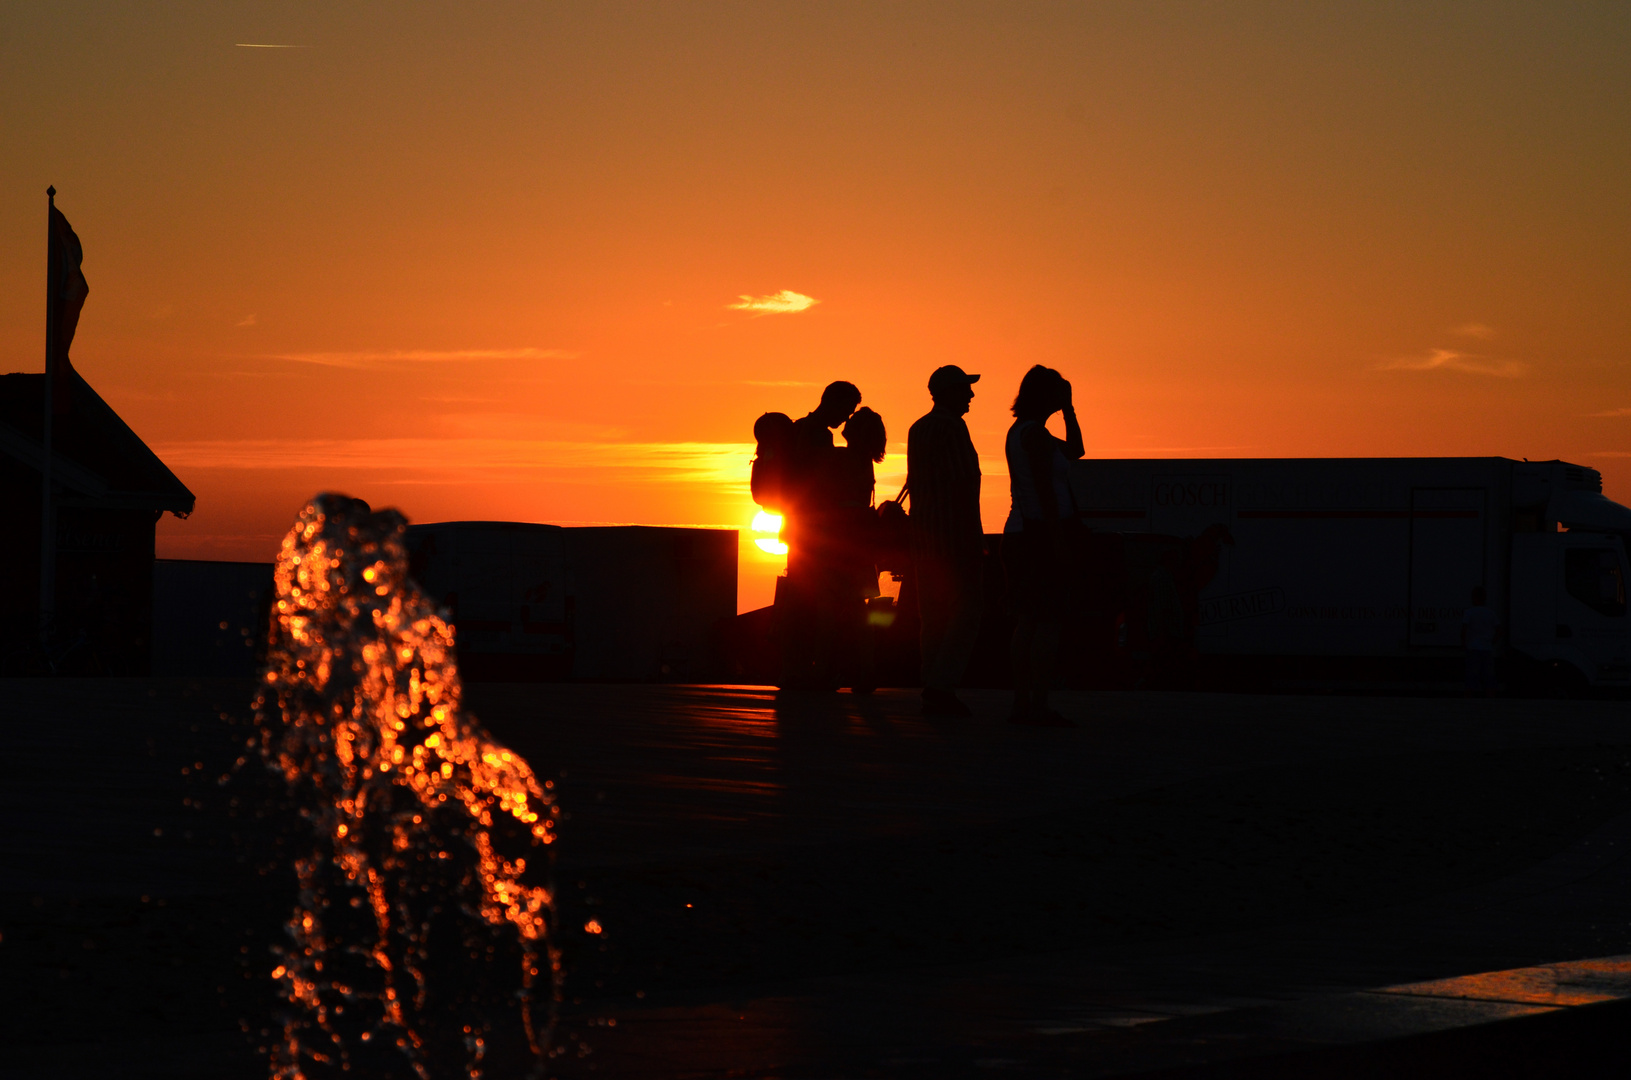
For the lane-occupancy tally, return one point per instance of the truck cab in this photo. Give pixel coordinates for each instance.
(1569, 577)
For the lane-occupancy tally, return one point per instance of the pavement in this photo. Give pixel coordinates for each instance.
(833, 886)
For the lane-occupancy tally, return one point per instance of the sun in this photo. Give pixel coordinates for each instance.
(765, 522)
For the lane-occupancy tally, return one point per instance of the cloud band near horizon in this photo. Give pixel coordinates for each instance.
(370, 358)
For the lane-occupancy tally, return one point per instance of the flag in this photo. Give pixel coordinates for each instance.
(68, 290)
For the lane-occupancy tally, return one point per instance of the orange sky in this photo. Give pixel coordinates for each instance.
(480, 265)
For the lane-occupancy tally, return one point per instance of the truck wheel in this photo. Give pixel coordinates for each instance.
(1565, 682)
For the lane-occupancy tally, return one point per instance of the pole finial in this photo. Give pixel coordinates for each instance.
(51, 192)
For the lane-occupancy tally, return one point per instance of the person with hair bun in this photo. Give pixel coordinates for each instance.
(855, 548)
(1037, 539)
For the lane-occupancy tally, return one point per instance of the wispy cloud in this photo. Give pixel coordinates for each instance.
(785, 302)
(1163, 451)
(375, 358)
(247, 320)
(1611, 412)
(721, 465)
(717, 382)
(256, 45)
(1475, 330)
(1455, 360)
(460, 399)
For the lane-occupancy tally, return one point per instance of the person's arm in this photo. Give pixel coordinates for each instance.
(915, 463)
(968, 473)
(1074, 447)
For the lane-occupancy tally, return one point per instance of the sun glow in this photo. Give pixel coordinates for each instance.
(766, 522)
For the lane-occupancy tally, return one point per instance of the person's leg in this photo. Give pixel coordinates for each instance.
(960, 630)
(938, 602)
(1020, 651)
(1049, 607)
(825, 626)
(1486, 672)
(934, 616)
(1018, 571)
(852, 638)
(864, 655)
(793, 623)
(1044, 655)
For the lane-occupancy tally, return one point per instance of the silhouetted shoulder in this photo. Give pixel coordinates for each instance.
(937, 426)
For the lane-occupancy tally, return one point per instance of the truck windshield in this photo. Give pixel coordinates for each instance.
(1593, 577)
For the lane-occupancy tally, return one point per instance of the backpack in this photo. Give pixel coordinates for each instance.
(773, 433)
(894, 535)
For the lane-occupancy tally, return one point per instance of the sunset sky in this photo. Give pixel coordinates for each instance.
(490, 261)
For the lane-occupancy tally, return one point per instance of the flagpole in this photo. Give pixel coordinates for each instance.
(48, 532)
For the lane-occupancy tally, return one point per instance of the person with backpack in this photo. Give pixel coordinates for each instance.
(773, 436)
(948, 540)
(810, 525)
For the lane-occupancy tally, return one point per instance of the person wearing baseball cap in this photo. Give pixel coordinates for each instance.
(948, 540)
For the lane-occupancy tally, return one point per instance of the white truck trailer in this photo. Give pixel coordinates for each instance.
(1376, 558)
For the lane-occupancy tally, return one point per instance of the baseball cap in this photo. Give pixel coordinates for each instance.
(949, 379)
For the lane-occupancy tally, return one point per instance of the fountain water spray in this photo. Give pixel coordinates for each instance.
(421, 941)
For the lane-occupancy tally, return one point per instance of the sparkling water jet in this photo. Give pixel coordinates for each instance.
(421, 943)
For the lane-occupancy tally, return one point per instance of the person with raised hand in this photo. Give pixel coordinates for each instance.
(1037, 540)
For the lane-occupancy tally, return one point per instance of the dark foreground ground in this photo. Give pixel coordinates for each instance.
(822, 887)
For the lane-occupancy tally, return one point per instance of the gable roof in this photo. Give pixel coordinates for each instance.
(96, 458)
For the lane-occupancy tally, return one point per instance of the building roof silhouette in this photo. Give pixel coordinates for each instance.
(96, 459)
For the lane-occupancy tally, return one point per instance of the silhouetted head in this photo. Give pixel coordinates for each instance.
(1041, 394)
(952, 388)
(1478, 596)
(837, 402)
(773, 431)
(865, 432)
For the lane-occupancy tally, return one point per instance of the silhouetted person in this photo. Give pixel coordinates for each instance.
(808, 526)
(1479, 627)
(855, 536)
(1037, 542)
(773, 438)
(948, 541)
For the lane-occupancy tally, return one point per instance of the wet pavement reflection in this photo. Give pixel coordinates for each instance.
(800, 882)
(807, 885)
